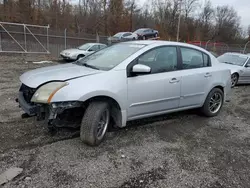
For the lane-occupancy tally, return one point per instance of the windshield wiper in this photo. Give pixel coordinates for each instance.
(228, 63)
(90, 66)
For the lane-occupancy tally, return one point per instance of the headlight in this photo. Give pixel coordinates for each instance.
(45, 93)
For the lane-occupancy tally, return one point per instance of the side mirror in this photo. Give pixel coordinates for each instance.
(90, 50)
(141, 69)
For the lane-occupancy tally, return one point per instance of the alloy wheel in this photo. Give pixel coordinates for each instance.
(234, 79)
(215, 102)
(103, 124)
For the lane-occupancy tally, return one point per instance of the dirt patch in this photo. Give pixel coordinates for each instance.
(176, 150)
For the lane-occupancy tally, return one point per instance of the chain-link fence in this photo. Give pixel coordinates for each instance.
(24, 38)
(220, 48)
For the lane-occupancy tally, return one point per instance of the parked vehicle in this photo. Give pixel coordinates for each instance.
(81, 51)
(146, 33)
(239, 65)
(109, 88)
(123, 36)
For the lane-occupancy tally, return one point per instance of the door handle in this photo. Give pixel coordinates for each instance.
(174, 80)
(208, 74)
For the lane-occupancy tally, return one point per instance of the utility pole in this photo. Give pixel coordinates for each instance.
(179, 21)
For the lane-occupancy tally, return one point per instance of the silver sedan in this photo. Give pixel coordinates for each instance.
(239, 65)
(123, 82)
(81, 51)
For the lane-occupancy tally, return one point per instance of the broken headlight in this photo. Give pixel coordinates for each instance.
(45, 93)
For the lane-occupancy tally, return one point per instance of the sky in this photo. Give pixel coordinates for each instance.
(241, 6)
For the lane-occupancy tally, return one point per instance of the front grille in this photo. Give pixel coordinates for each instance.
(27, 92)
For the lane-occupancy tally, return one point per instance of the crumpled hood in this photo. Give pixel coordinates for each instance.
(232, 68)
(36, 77)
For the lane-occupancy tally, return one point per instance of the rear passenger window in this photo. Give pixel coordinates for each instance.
(192, 58)
(206, 60)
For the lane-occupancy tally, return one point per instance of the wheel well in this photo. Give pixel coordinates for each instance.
(236, 73)
(81, 55)
(220, 87)
(115, 108)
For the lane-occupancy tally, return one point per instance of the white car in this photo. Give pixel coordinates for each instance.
(123, 36)
(123, 82)
(81, 51)
(239, 65)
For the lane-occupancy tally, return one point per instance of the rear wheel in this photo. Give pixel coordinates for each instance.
(144, 38)
(213, 103)
(95, 123)
(234, 79)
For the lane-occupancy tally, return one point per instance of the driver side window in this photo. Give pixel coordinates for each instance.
(163, 59)
(94, 48)
(126, 34)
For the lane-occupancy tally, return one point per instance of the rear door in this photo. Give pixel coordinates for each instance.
(196, 77)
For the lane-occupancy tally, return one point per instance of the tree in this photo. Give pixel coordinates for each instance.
(227, 23)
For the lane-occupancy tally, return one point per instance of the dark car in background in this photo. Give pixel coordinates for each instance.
(145, 33)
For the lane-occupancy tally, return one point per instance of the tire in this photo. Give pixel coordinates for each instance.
(234, 79)
(207, 106)
(143, 37)
(156, 35)
(91, 123)
(80, 56)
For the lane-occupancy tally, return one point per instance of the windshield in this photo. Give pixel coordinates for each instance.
(84, 47)
(233, 59)
(118, 35)
(109, 57)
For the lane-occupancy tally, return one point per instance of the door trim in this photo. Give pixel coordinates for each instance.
(154, 101)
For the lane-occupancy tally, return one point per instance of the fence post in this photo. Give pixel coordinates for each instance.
(97, 38)
(65, 39)
(246, 46)
(48, 39)
(0, 40)
(207, 44)
(25, 41)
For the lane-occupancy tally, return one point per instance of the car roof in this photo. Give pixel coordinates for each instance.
(123, 32)
(162, 42)
(95, 43)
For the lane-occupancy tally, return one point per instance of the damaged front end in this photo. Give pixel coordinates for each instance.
(56, 114)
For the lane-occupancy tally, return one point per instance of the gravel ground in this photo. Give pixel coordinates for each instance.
(177, 150)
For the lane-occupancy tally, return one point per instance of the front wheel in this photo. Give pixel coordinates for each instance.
(213, 103)
(95, 123)
(234, 79)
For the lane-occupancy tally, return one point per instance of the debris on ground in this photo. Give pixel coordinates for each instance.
(42, 62)
(27, 178)
(10, 174)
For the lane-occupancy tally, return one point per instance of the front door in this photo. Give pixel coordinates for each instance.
(158, 91)
(196, 77)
